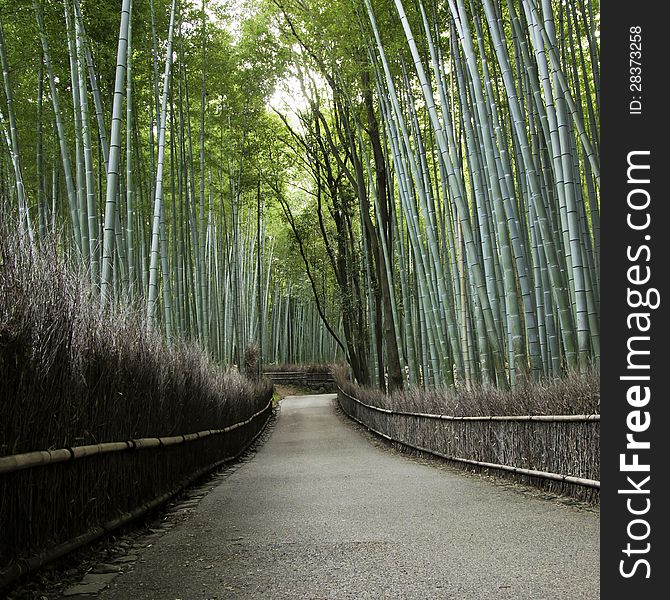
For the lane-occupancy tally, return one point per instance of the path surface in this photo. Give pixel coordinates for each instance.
(322, 512)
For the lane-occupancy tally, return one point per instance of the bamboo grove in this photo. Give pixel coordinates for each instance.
(147, 185)
(423, 203)
(465, 135)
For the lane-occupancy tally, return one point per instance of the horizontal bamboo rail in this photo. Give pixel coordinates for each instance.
(283, 373)
(546, 418)
(592, 483)
(40, 458)
(23, 567)
(299, 375)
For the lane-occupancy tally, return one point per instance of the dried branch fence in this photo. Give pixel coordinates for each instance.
(560, 453)
(71, 502)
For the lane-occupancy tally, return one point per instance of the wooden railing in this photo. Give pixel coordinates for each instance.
(304, 378)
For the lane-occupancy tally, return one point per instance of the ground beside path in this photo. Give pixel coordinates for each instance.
(320, 512)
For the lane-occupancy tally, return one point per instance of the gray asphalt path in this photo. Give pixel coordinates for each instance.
(322, 512)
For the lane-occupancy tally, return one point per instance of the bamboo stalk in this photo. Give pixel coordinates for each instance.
(112, 189)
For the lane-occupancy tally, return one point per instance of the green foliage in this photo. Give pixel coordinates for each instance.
(396, 196)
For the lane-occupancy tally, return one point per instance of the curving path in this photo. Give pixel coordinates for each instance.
(321, 512)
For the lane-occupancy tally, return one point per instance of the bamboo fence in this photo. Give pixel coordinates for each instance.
(52, 503)
(315, 381)
(556, 452)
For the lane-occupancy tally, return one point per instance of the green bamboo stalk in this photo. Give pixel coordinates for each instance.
(112, 188)
(60, 128)
(158, 200)
(130, 193)
(91, 202)
(203, 283)
(39, 154)
(78, 152)
(13, 144)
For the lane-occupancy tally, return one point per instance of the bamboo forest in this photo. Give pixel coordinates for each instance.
(409, 187)
(195, 194)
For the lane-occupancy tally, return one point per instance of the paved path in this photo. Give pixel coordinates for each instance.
(322, 512)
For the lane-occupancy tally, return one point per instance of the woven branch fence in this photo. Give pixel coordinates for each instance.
(54, 501)
(560, 453)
